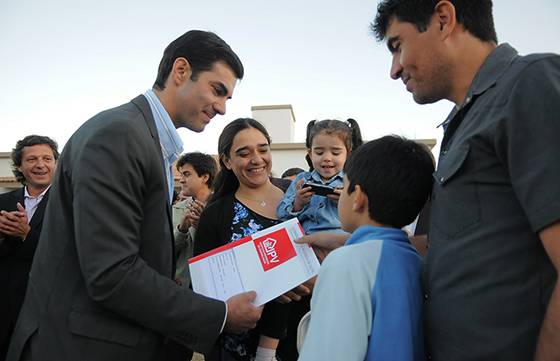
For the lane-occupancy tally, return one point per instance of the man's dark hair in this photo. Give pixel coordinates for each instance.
(201, 163)
(396, 175)
(291, 172)
(30, 140)
(201, 49)
(474, 15)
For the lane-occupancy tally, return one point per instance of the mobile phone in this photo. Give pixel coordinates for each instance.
(319, 189)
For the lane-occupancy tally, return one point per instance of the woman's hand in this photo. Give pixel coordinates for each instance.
(295, 294)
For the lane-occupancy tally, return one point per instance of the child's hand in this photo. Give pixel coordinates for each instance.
(303, 196)
(336, 196)
(324, 242)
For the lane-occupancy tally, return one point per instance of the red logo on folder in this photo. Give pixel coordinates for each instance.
(274, 249)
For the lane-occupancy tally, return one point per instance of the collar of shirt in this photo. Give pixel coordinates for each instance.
(169, 140)
(316, 177)
(26, 194)
(367, 233)
(489, 73)
(31, 203)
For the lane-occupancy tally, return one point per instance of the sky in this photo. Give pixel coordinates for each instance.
(63, 61)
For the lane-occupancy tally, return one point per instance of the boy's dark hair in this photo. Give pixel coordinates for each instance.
(291, 172)
(396, 175)
(201, 163)
(474, 15)
(348, 131)
(201, 49)
(30, 140)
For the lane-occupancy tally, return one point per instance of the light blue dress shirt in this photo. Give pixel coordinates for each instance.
(171, 146)
(169, 140)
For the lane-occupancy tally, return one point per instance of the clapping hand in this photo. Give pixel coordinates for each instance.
(192, 215)
(15, 223)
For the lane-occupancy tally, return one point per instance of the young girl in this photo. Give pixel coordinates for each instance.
(328, 142)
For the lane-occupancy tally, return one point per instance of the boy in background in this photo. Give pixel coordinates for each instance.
(367, 301)
(197, 171)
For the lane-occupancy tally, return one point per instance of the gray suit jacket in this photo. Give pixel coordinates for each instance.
(101, 286)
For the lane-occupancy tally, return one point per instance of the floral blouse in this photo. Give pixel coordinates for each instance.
(245, 222)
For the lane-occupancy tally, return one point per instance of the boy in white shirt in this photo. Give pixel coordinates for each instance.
(367, 303)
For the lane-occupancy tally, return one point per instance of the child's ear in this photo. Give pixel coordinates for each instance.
(360, 200)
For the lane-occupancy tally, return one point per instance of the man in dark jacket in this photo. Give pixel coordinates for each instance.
(21, 217)
(491, 289)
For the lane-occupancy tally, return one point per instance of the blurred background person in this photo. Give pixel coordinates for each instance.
(21, 217)
(197, 175)
(291, 173)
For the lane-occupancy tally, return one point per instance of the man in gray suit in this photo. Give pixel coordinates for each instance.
(101, 285)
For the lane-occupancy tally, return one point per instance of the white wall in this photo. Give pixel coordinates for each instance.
(6, 176)
(286, 156)
(278, 120)
(5, 165)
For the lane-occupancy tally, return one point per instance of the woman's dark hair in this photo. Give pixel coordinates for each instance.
(29, 141)
(226, 182)
(349, 132)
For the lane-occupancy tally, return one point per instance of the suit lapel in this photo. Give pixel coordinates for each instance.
(142, 103)
(19, 196)
(10, 199)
